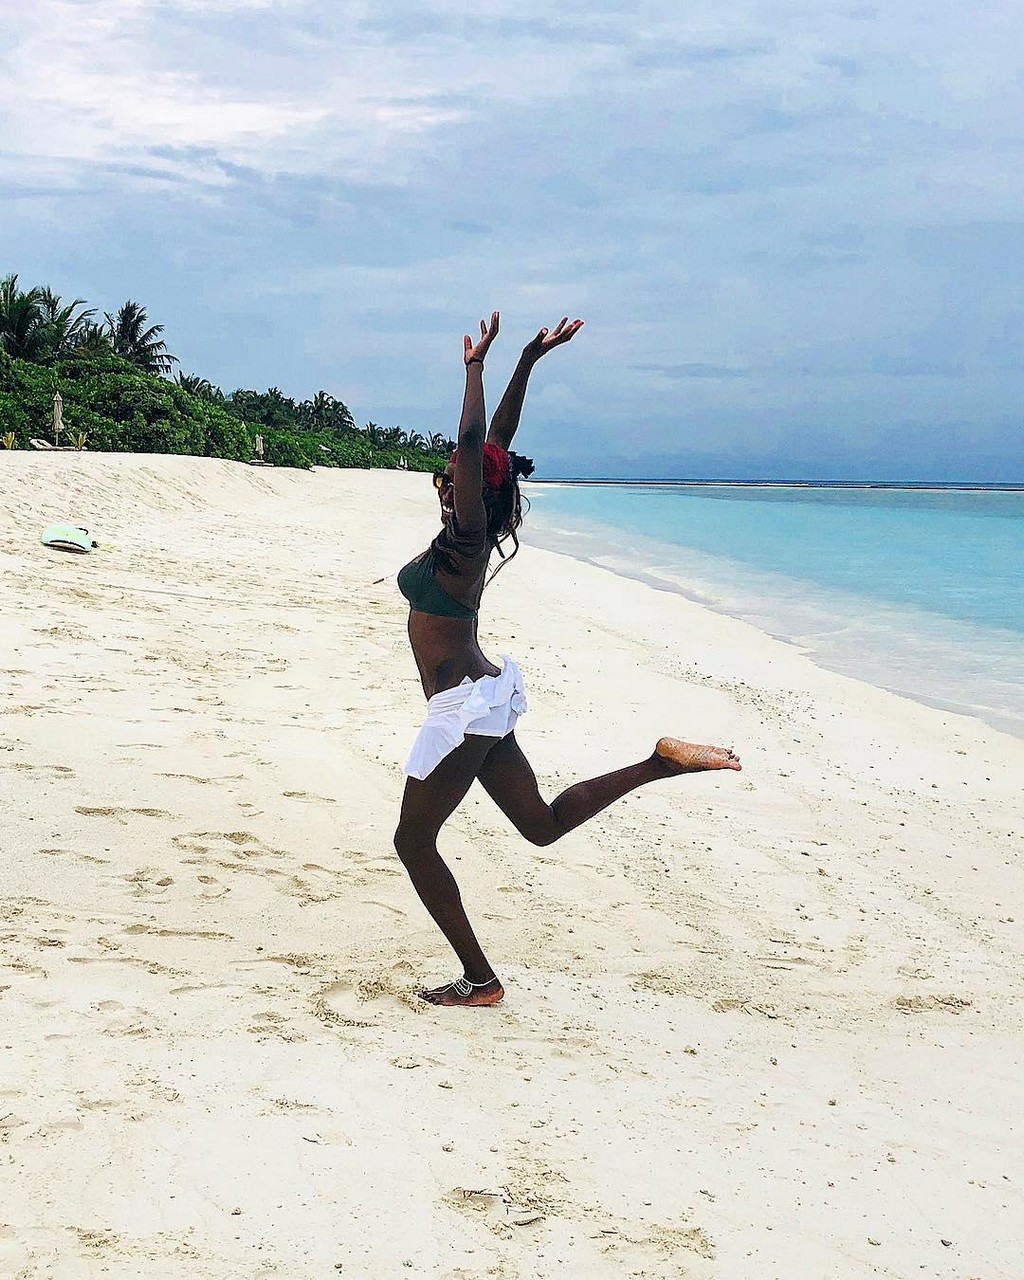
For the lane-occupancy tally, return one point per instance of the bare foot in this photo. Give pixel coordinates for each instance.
(691, 757)
(465, 993)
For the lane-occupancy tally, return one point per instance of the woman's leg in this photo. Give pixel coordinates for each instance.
(509, 780)
(426, 806)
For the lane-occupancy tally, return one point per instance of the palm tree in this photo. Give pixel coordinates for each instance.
(418, 442)
(320, 410)
(22, 328)
(131, 339)
(200, 388)
(341, 419)
(442, 445)
(93, 340)
(325, 413)
(64, 329)
(279, 410)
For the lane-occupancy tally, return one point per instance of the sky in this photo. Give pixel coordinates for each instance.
(795, 229)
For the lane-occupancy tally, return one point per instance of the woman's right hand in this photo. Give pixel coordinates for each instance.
(476, 351)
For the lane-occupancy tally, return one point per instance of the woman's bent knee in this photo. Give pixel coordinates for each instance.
(540, 834)
(411, 844)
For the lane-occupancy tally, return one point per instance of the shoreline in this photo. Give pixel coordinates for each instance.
(908, 486)
(735, 1005)
(798, 619)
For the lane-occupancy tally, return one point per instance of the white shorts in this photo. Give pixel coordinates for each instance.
(488, 707)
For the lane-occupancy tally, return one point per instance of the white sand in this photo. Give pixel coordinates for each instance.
(757, 1025)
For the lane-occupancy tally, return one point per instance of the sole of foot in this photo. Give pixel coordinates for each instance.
(693, 757)
(479, 996)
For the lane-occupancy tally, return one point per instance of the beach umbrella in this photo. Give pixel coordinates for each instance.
(58, 417)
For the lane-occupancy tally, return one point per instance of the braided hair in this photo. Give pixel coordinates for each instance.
(505, 509)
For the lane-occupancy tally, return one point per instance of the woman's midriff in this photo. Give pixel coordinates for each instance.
(446, 651)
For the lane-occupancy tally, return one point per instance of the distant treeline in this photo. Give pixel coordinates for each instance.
(114, 379)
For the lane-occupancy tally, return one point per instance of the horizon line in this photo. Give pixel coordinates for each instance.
(988, 486)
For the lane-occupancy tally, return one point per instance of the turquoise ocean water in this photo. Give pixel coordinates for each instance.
(916, 590)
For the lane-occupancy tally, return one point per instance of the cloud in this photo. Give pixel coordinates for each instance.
(907, 367)
(314, 89)
(310, 88)
(808, 213)
(694, 370)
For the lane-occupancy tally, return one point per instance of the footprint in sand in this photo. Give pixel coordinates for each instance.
(23, 969)
(317, 884)
(149, 882)
(211, 887)
(51, 770)
(732, 1004)
(96, 1243)
(210, 934)
(534, 1194)
(273, 1026)
(50, 940)
(88, 1103)
(650, 1249)
(778, 961)
(243, 843)
(136, 962)
(386, 906)
(69, 853)
(365, 864)
(308, 892)
(338, 1005)
(119, 812)
(933, 1004)
(661, 983)
(121, 1021)
(349, 1001)
(491, 1206)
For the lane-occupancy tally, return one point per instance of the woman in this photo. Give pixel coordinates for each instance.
(473, 704)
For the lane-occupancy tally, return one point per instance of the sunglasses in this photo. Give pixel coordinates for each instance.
(441, 479)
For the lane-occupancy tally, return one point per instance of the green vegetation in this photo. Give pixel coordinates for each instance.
(113, 378)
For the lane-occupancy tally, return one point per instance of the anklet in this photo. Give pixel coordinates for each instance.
(463, 987)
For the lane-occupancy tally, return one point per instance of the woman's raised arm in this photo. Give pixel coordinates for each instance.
(469, 473)
(505, 422)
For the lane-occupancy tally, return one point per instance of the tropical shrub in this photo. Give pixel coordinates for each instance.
(114, 397)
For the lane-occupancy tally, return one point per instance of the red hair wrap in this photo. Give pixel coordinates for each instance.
(497, 468)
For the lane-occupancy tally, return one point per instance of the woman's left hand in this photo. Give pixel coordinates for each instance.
(478, 350)
(548, 339)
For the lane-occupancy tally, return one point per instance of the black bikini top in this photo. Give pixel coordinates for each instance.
(417, 583)
(417, 580)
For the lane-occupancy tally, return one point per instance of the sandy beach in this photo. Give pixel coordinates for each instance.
(758, 1025)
